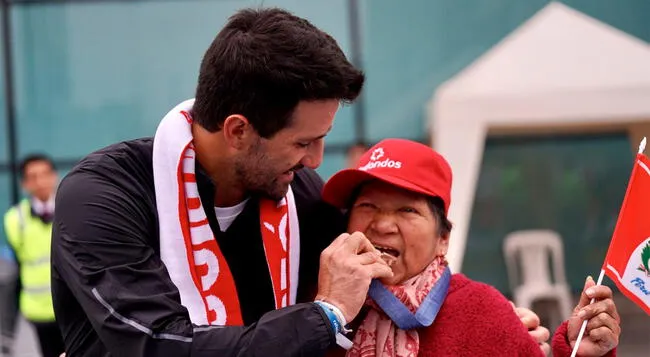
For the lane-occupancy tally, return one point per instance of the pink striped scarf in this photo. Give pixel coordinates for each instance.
(378, 336)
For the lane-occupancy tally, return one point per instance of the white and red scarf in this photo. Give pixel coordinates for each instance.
(188, 248)
(378, 336)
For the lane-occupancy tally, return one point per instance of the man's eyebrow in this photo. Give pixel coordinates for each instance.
(317, 137)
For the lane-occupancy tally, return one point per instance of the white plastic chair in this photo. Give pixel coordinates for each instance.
(528, 252)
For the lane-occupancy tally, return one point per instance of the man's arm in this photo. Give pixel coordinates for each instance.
(102, 254)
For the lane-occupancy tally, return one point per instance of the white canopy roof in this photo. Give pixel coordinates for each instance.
(560, 68)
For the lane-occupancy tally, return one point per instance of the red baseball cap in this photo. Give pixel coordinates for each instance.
(403, 163)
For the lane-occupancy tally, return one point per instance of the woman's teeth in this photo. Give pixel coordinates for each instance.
(387, 250)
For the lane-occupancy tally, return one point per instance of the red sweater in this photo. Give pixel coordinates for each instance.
(476, 320)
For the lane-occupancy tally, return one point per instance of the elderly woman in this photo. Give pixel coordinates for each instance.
(398, 197)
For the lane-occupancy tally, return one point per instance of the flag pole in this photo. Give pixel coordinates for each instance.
(600, 277)
(642, 146)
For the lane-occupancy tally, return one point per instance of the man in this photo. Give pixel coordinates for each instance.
(28, 227)
(124, 284)
(205, 240)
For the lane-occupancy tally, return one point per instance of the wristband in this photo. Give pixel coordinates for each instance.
(331, 316)
(337, 320)
(337, 312)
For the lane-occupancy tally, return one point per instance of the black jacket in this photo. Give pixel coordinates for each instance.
(114, 297)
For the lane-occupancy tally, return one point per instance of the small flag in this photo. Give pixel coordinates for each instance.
(628, 258)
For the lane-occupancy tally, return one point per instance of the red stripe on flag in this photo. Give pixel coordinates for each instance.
(612, 274)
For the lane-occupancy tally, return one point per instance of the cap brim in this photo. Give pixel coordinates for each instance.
(341, 186)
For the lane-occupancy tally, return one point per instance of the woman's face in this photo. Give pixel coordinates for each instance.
(400, 223)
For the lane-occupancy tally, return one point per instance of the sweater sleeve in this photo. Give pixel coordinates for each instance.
(504, 327)
(561, 346)
(477, 320)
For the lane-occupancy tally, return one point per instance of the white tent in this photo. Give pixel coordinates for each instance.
(560, 70)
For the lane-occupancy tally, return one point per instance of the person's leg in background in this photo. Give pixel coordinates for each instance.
(8, 306)
(49, 338)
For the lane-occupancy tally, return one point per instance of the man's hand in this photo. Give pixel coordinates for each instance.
(603, 330)
(538, 332)
(346, 268)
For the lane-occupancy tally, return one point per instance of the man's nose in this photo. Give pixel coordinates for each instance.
(314, 156)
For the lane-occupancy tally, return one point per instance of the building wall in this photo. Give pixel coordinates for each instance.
(90, 74)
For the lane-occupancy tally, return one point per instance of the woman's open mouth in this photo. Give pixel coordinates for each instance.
(387, 250)
(389, 255)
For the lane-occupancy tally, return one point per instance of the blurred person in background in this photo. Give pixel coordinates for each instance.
(354, 153)
(398, 195)
(28, 227)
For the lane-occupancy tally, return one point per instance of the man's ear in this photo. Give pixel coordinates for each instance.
(238, 131)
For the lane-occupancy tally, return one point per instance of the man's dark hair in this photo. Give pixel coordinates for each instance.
(265, 61)
(34, 158)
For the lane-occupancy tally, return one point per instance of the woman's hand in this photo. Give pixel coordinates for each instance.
(603, 330)
(538, 332)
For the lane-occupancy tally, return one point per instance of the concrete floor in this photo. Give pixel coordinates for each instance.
(26, 343)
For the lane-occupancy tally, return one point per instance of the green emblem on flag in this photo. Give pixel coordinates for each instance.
(645, 259)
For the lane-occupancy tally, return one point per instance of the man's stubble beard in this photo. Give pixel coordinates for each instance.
(254, 173)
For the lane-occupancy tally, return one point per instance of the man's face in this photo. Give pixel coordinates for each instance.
(268, 166)
(40, 180)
